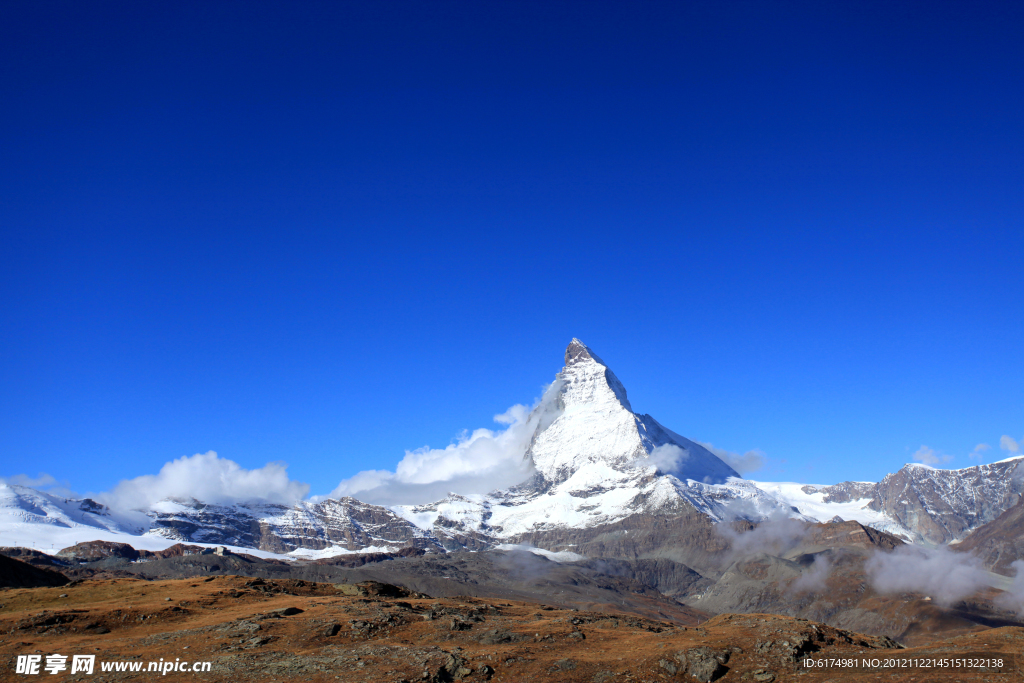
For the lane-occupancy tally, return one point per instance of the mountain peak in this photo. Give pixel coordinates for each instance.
(578, 352)
(594, 432)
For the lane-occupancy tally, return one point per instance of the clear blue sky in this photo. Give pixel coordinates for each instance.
(328, 232)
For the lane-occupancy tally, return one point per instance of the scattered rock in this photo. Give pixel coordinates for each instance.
(499, 636)
(705, 664)
(375, 588)
(563, 665)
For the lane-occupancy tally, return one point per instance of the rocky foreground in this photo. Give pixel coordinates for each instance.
(255, 629)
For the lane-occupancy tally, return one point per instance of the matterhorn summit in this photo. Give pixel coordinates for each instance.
(595, 462)
(596, 427)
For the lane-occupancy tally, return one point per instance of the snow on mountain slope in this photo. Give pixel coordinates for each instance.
(594, 461)
(918, 503)
(345, 524)
(811, 503)
(24, 505)
(595, 425)
(941, 506)
(597, 463)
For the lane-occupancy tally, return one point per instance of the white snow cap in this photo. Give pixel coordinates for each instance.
(597, 426)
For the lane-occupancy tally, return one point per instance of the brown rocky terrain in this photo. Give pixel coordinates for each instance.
(822, 577)
(513, 575)
(1000, 542)
(284, 630)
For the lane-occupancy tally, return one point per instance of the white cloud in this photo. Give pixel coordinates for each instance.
(813, 580)
(930, 457)
(774, 535)
(477, 462)
(1013, 598)
(748, 462)
(940, 573)
(1007, 443)
(666, 459)
(979, 451)
(42, 481)
(208, 478)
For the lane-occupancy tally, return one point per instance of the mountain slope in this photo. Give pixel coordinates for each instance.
(597, 467)
(919, 503)
(596, 427)
(999, 543)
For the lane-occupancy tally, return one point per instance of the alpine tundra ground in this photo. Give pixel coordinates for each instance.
(253, 629)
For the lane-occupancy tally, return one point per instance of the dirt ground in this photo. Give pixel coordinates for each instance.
(290, 630)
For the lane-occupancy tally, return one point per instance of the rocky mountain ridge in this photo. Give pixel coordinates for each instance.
(599, 470)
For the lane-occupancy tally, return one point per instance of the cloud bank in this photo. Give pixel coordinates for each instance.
(979, 451)
(930, 457)
(775, 535)
(477, 462)
(42, 482)
(1013, 598)
(940, 573)
(748, 462)
(666, 459)
(209, 478)
(813, 579)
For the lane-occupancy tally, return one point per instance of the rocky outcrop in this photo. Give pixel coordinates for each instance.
(945, 505)
(935, 506)
(348, 523)
(999, 543)
(847, 534)
(91, 551)
(17, 574)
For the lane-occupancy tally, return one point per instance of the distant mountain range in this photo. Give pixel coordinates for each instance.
(597, 465)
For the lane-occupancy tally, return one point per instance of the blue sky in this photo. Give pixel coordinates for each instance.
(327, 233)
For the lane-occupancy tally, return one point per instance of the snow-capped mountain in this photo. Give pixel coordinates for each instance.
(918, 503)
(21, 505)
(346, 524)
(595, 463)
(594, 427)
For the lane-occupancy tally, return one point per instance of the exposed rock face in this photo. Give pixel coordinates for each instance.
(347, 522)
(1000, 542)
(36, 558)
(668, 576)
(848, 534)
(945, 505)
(689, 539)
(935, 506)
(90, 551)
